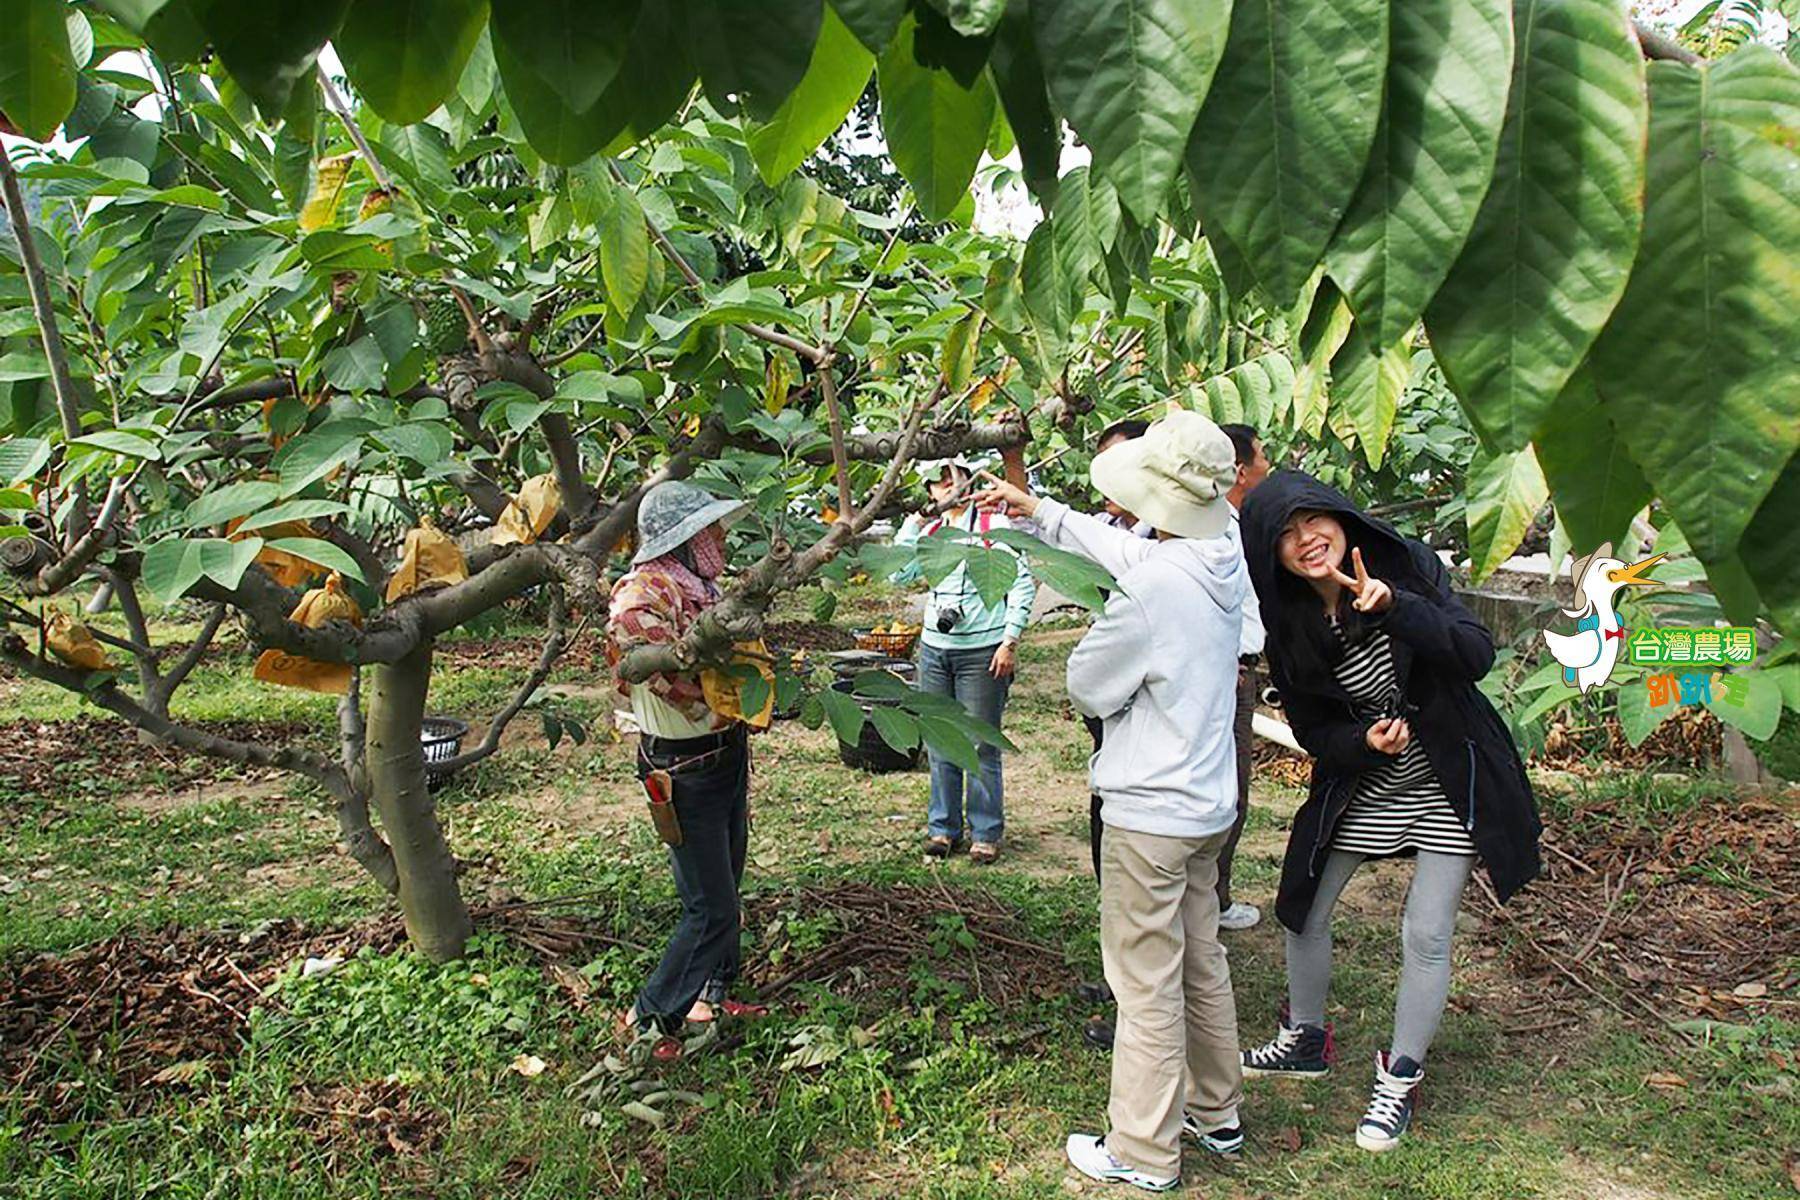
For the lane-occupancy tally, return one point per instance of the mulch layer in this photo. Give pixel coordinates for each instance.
(879, 936)
(1690, 918)
(36, 757)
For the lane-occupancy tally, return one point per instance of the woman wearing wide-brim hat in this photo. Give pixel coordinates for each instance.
(692, 758)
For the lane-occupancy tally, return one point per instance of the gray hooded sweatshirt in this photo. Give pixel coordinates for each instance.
(1159, 667)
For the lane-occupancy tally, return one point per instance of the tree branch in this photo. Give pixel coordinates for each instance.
(839, 457)
(1658, 45)
(61, 382)
(559, 438)
(557, 641)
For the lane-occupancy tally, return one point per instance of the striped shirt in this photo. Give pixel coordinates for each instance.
(1399, 806)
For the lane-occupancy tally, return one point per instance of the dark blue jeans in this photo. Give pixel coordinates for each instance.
(964, 674)
(712, 802)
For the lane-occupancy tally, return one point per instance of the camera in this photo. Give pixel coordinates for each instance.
(948, 619)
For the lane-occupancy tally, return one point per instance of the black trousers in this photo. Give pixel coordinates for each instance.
(712, 795)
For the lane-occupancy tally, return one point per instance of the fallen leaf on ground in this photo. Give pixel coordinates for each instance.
(1750, 991)
(181, 1072)
(1665, 1081)
(1288, 1138)
(528, 1065)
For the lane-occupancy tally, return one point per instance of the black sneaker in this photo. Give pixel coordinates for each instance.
(1392, 1102)
(1228, 1139)
(1300, 1051)
(1098, 1033)
(1093, 991)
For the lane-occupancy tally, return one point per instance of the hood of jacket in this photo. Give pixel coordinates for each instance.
(1213, 564)
(1267, 509)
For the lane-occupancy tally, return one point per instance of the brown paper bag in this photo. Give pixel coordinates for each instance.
(431, 559)
(530, 513)
(72, 642)
(721, 687)
(328, 603)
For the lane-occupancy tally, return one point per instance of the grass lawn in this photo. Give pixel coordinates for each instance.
(927, 1065)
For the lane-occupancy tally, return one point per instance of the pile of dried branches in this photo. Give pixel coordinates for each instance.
(879, 934)
(159, 1011)
(1686, 919)
(1692, 739)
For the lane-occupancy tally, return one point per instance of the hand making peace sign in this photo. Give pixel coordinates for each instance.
(1372, 595)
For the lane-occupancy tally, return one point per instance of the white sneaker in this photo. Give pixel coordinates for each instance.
(1089, 1155)
(1240, 916)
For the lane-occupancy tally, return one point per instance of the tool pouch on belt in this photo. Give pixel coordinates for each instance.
(659, 789)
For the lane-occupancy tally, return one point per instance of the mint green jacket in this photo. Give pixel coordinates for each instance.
(981, 624)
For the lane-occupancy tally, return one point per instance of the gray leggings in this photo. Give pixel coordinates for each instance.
(1431, 904)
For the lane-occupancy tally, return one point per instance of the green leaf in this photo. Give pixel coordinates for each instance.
(118, 441)
(1053, 293)
(21, 457)
(1284, 136)
(1593, 480)
(1024, 94)
(839, 71)
(991, 572)
(1366, 385)
(1760, 713)
(404, 57)
(23, 365)
(946, 737)
(624, 248)
(1770, 548)
(872, 21)
(318, 550)
(898, 729)
(1553, 242)
(170, 567)
(1252, 391)
(226, 503)
(37, 67)
(754, 54)
(1130, 76)
(1637, 718)
(1698, 367)
(1086, 220)
(424, 442)
(962, 345)
(572, 47)
(334, 250)
(225, 562)
(1070, 575)
(269, 46)
(316, 453)
(655, 81)
(1505, 491)
(358, 367)
(1324, 332)
(1449, 63)
(293, 510)
(845, 715)
(936, 129)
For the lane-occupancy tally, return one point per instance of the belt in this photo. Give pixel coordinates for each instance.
(687, 747)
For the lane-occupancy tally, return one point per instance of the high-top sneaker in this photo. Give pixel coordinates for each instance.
(1300, 1051)
(1392, 1102)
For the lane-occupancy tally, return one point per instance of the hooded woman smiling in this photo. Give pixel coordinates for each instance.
(1376, 662)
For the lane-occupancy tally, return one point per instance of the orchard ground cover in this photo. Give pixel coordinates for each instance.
(160, 1039)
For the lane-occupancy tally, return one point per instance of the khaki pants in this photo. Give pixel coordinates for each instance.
(1177, 1042)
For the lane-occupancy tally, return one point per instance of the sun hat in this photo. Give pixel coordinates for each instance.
(672, 512)
(1175, 476)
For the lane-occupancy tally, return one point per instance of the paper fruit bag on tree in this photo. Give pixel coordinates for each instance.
(72, 642)
(322, 604)
(431, 559)
(530, 513)
(722, 685)
(289, 570)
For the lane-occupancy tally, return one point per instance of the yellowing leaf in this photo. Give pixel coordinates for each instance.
(528, 1065)
(778, 379)
(983, 395)
(320, 209)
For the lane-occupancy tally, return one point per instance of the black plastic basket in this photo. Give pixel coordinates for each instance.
(871, 751)
(442, 739)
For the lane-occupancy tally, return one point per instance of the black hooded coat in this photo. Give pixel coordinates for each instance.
(1440, 650)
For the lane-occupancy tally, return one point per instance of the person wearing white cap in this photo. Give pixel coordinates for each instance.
(694, 761)
(1159, 667)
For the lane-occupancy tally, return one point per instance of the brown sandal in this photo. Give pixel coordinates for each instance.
(939, 846)
(984, 853)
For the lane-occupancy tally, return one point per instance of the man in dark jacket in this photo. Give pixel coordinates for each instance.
(1377, 673)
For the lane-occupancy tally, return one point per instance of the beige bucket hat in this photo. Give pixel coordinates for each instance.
(1175, 476)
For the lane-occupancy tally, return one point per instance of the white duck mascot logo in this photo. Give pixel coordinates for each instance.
(1589, 654)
